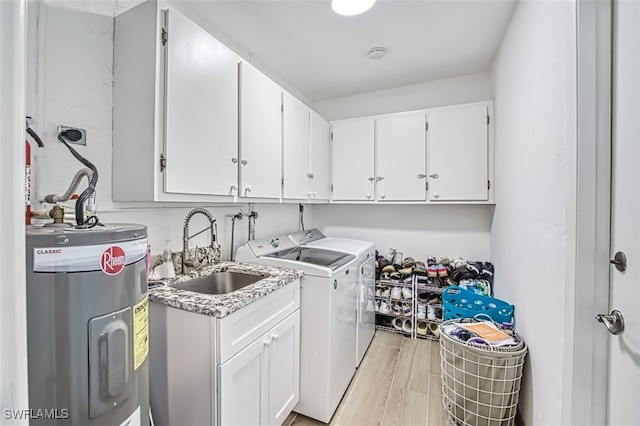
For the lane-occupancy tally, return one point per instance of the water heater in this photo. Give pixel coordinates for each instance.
(87, 325)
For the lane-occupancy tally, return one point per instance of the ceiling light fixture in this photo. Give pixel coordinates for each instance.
(377, 52)
(351, 7)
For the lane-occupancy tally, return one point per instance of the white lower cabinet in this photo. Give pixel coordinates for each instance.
(260, 385)
(242, 369)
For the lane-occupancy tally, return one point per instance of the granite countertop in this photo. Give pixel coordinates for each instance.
(221, 305)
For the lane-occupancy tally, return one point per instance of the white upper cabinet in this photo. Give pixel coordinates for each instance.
(401, 156)
(353, 160)
(296, 148)
(175, 128)
(459, 153)
(260, 134)
(201, 104)
(319, 188)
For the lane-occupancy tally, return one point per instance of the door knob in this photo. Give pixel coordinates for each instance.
(614, 322)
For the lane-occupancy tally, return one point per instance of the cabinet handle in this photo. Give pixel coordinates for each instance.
(234, 187)
(434, 176)
(368, 195)
(247, 188)
(243, 162)
(422, 176)
(234, 160)
(436, 195)
(275, 337)
(371, 179)
(382, 195)
(267, 342)
(310, 175)
(379, 178)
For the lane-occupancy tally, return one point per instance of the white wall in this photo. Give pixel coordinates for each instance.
(534, 79)
(450, 91)
(13, 333)
(73, 86)
(416, 231)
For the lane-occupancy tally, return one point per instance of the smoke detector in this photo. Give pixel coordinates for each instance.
(377, 52)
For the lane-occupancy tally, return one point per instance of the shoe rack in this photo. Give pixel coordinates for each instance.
(401, 305)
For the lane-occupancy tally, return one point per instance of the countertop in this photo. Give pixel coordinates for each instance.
(221, 305)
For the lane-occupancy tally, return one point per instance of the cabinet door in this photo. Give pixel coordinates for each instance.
(457, 156)
(353, 154)
(201, 104)
(260, 134)
(244, 382)
(401, 157)
(295, 146)
(284, 368)
(320, 157)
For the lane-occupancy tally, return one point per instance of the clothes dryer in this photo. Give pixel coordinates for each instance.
(326, 318)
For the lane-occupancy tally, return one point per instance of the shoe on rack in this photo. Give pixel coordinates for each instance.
(442, 271)
(385, 292)
(396, 293)
(421, 328)
(421, 312)
(405, 271)
(423, 297)
(370, 306)
(390, 255)
(396, 309)
(406, 310)
(377, 306)
(406, 293)
(431, 261)
(432, 271)
(397, 260)
(431, 313)
(397, 323)
(434, 329)
(420, 269)
(443, 260)
(384, 308)
(408, 262)
(458, 262)
(388, 269)
(407, 326)
(395, 277)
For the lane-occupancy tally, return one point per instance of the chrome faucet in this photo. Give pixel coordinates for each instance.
(185, 237)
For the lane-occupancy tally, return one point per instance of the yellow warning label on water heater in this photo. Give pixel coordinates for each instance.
(140, 332)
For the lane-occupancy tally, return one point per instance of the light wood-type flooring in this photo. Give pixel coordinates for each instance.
(398, 383)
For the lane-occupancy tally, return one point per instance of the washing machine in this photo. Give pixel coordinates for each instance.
(365, 289)
(327, 326)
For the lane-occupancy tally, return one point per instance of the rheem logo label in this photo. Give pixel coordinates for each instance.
(112, 260)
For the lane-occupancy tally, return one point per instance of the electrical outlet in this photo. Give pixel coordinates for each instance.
(77, 141)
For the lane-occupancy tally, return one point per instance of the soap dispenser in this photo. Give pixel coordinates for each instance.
(169, 271)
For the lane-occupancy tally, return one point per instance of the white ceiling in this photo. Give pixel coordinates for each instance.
(324, 55)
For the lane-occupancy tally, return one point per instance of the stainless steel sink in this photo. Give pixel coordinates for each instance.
(219, 282)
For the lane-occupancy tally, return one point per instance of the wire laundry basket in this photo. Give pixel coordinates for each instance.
(480, 383)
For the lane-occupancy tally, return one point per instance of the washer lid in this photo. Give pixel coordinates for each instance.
(314, 256)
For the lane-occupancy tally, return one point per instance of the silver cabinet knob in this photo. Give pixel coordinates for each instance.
(434, 176)
(275, 336)
(379, 178)
(422, 176)
(243, 162)
(368, 195)
(310, 175)
(247, 188)
(436, 195)
(371, 179)
(234, 187)
(382, 195)
(234, 160)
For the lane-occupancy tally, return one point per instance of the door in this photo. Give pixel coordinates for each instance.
(458, 152)
(353, 156)
(401, 157)
(624, 349)
(201, 104)
(284, 368)
(244, 379)
(295, 148)
(260, 134)
(320, 157)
